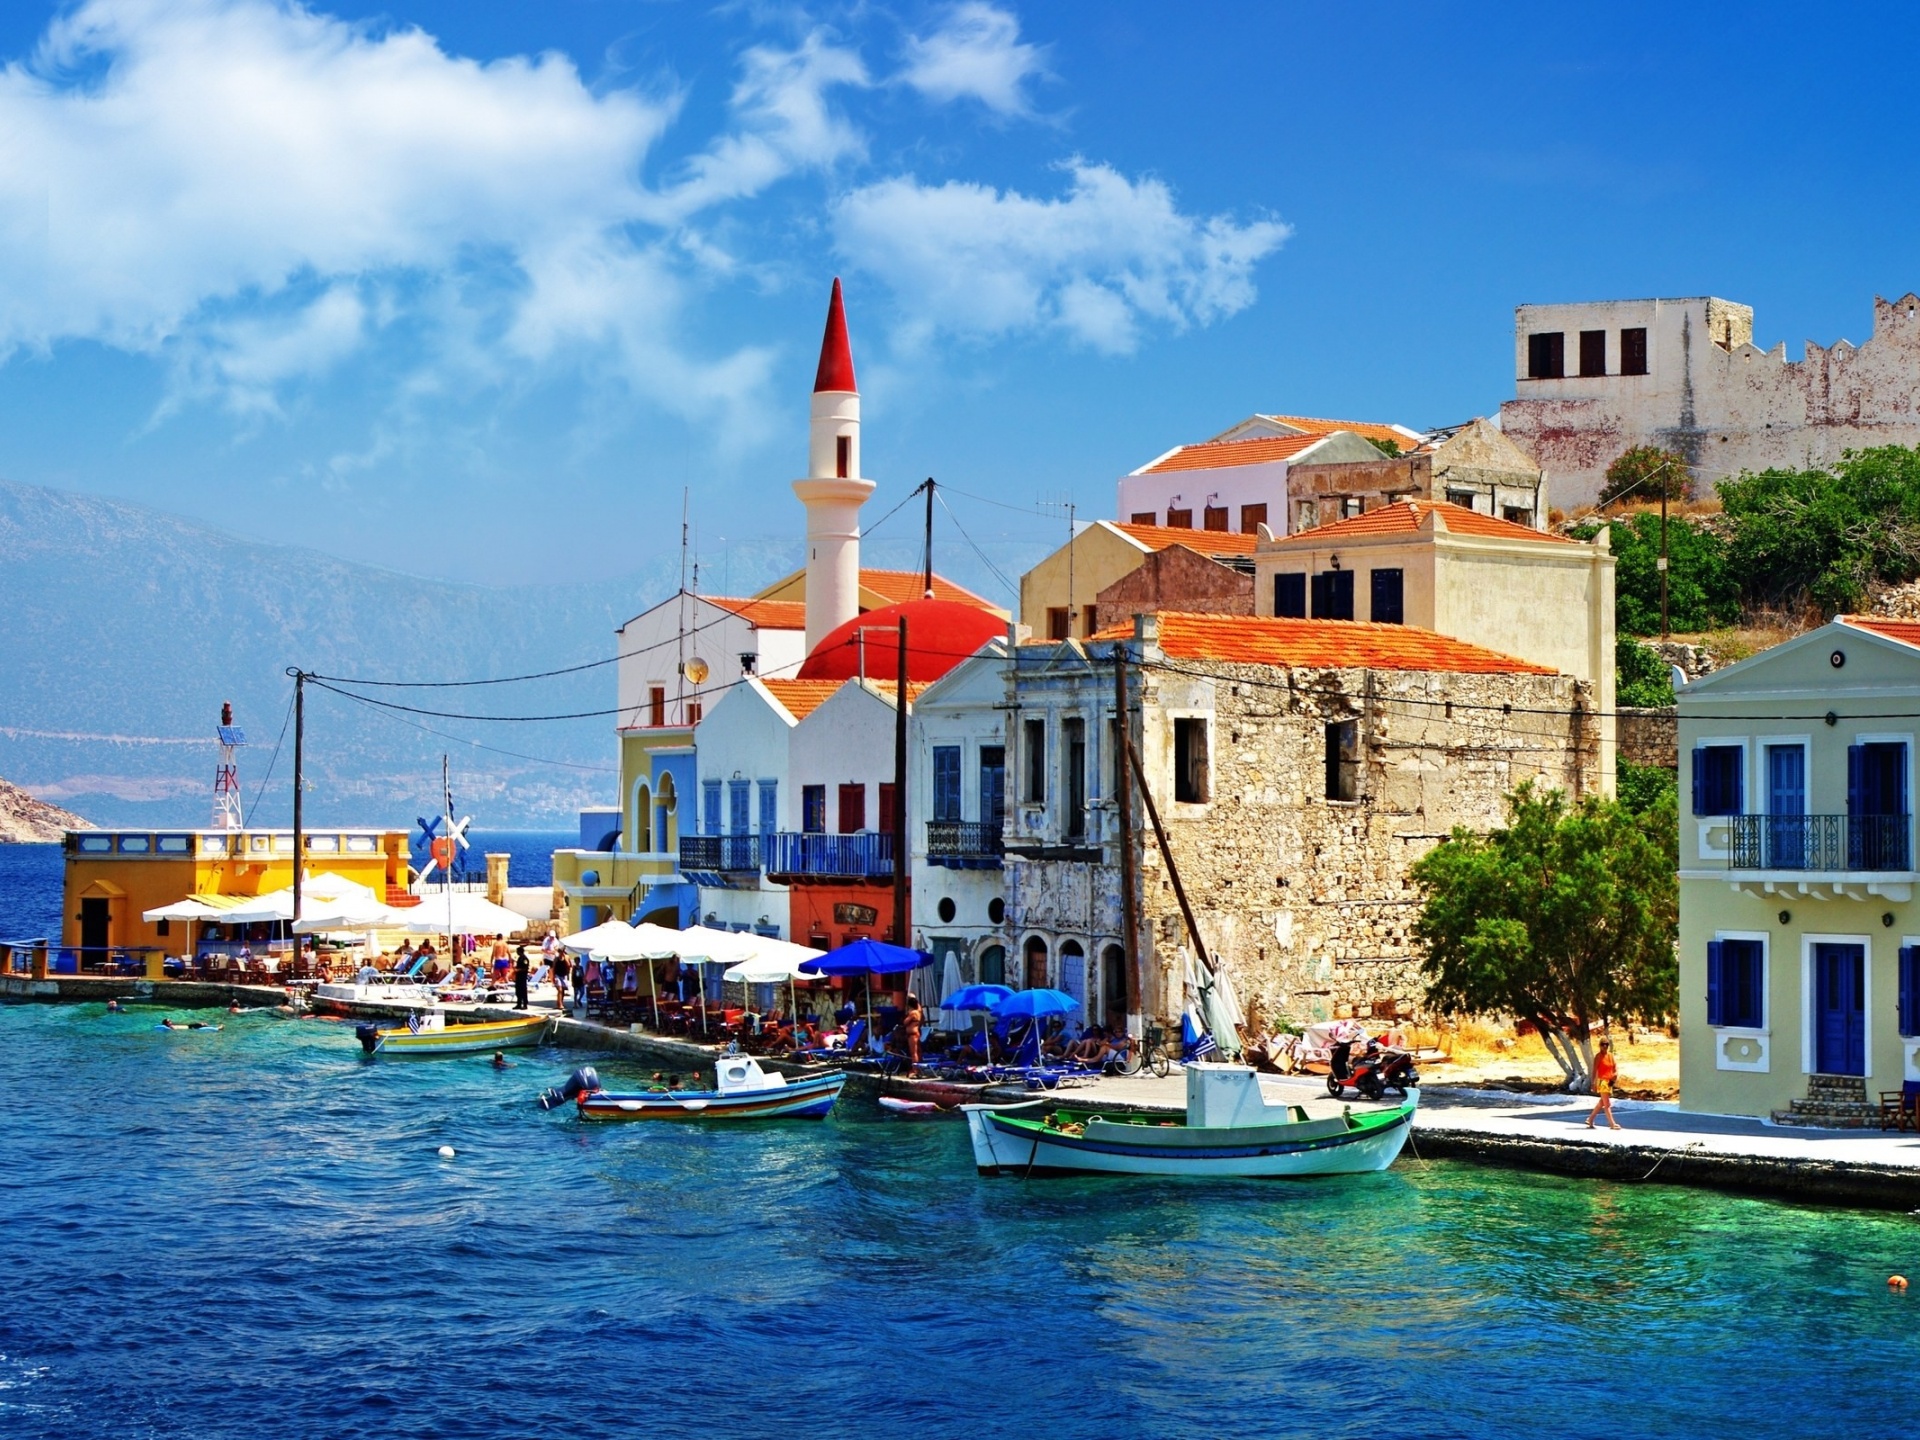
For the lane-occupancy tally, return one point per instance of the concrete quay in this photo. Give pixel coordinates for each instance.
(185, 994)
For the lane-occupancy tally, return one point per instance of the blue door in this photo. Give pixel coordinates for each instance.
(1786, 807)
(1840, 1009)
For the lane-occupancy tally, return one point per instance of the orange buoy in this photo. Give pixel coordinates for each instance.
(1896, 1282)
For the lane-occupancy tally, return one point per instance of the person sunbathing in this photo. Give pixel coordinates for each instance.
(1091, 1047)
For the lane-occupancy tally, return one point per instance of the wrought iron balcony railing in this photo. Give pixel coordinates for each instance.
(964, 844)
(720, 852)
(1819, 842)
(831, 857)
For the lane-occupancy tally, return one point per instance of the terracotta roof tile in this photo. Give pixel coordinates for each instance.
(1407, 516)
(1221, 454)
(1369, 429)
(1323, 644)
(1207, 542)
(1907, 632)
(767, 614)
(802, 697)
(903, 585)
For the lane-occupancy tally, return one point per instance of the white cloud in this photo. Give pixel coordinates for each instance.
(976, 53)
(1096, 264)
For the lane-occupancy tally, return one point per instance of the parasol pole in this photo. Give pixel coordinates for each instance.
(653, 988)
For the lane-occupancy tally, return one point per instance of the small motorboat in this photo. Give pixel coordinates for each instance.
(1229, 1128)
(429, 1034)
(743, 1091)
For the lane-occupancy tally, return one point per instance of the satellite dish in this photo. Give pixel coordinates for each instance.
(696, 670)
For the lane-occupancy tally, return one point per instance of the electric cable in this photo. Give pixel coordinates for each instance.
(385, 711)
(274, 760)
(998, 574)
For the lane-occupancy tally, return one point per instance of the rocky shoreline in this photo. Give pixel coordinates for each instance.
(27, 821)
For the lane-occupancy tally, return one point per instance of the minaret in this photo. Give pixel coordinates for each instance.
(833, 490)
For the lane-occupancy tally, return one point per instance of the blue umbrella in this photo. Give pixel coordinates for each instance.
(976, 997)
(1033, 1004)
(867, 957)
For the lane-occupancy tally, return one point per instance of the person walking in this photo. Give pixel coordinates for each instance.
(1605, 1068)
(520, 977)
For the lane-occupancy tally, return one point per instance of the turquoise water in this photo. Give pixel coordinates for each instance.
(249, 1234)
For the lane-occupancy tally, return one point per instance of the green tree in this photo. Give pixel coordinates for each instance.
(1567, 916)
(1828, 535)
(1641, 677)
(1703, 592)
(1644, 788)
(1384, 445)
(1643, 472)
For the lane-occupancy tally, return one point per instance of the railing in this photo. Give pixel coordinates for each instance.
(964, 844)
(848, 857)
(1819, 842)
(719, 852)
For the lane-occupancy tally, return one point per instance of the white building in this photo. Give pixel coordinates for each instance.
(1238, 479)
(720, 639)
(1593, 380)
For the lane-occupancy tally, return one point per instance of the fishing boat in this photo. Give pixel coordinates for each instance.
(743, 1091)
(429, 1034)
(1229, 1128)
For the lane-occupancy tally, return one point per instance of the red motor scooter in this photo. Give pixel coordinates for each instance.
(1376, 1070)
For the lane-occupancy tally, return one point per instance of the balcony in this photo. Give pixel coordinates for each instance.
(721, 854)
(1831, 843)
(829, 857)
(965, 844)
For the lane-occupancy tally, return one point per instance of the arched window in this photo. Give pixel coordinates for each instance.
(1113, 983)
(667, 827)
(1036, 963)
(993, 965)
(1073, 976)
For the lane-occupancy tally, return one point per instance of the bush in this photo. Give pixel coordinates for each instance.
(1702, 591)
(1633, 475)
(1828, 535)
(1644, 788)
(1641, 677)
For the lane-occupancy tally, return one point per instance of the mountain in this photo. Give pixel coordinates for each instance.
(25, 820)
(125, 628)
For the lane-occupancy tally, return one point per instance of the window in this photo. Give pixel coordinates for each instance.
(657, 705)
(1717, 787)
(1033, 736)
(1877, 805)
(710, 807)
(1333, 595)
(993, 787)
(769, 806)
(1073, 736)
(1214, 517)
(1786, 807)
(1633, 351)
(883, 811)
(946, 782)
(1517, 515)
(1388, 601)
(1087, 625)
(813, 809)
(1910, 989)
(739, 806)
(1180, 519)
(843, 456)
(1146, 517)
(1593, 352)
(1290, 596)
(1191, 773)
(1252, 517)
(1546, 356)
(1352, 505)
(1736, 983)
(853, 809)
(1343, 760)
(1462, 498)
(1059, 622)
(694, 712)
(1036, 951)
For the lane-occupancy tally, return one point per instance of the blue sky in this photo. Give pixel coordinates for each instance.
(468, 288)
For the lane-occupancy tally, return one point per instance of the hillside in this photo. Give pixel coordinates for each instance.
(25, 820)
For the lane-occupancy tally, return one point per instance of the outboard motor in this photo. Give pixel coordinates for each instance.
(584, 1081)
(369, 1037)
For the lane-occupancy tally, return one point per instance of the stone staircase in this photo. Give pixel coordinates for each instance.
(1833, 1102)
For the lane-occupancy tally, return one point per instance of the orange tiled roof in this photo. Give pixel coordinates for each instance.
(1371, 430)
(1404, 517)
(886, 688)
(802, 697)
(1207, 542)
(1907, 632)
(1221, 454)
(1323, 644)
(767, 614)
(903, 585)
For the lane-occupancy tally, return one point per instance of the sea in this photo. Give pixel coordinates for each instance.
(253, 1231)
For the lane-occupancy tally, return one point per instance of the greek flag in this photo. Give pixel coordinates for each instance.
(1195, 1042)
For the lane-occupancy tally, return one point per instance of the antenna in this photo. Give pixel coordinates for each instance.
(1064, 505)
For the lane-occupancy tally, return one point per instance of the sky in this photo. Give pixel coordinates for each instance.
(480, 289)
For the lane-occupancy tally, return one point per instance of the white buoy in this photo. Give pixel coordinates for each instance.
(446, 1152)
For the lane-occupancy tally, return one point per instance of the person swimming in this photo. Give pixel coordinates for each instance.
(113, 1007)
(499, 1060)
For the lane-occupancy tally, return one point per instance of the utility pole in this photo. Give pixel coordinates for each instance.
(1123, 800)
(927, 578)
(902, 856)
(299, 788)
(1665, 633)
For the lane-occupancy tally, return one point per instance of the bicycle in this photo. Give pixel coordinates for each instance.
(1150, 1054)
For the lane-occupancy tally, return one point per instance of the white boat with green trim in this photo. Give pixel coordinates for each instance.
(1229, 1128)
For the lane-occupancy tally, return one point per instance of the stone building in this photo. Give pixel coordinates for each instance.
(1300, 767)
(1473, 466)
(1177, 578)
(1595, 379)
(1060, 595)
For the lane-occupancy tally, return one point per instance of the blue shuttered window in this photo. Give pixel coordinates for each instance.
(739, 799)
(1736, 983)
(769, 806)
(1717, 780)
(946, 782)
(1910, 989)
(710, 807)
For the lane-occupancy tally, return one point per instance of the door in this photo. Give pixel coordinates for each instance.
(1786, 807)
(993, 788)
(1840, 1009)
(1877, 806)
(94, 927)
(1075, 733)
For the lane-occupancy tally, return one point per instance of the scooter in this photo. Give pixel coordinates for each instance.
(1377, 1071)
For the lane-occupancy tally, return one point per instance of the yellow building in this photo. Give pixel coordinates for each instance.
(113, 876)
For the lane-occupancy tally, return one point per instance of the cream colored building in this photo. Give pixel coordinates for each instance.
(1459, 573)
(1797, 873)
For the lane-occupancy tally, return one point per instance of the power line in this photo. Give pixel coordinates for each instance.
(998, 574)
(275, 760)
(385, 711)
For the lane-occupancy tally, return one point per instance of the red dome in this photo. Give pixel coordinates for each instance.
(940, 634)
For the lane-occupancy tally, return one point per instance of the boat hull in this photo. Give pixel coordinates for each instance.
(402, 1043)
(811, 1099)
(1006, 1142)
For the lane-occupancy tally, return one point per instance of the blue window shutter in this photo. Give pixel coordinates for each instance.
(1700, 780)
(1856, 779)
(1909, 991)
(769, 806)
(1715, 955)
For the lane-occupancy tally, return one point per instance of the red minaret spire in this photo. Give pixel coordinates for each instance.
(836, 355)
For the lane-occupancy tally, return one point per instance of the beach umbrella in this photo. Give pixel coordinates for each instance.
(868, 958)
(1035, 1005)
(772, 962)
(976, 998)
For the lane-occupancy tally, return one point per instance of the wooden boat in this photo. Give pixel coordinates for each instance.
(743, 1091)
(1229, 1128)
(429, 1034)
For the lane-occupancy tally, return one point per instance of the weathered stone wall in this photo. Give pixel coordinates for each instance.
(1176, 578)
(1307, 900)
(1650, 736)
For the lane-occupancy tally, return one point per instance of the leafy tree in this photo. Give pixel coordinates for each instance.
(1567, 916)
(1702, 589)
(1643, 472)
(1644, 788)
(1384, 445)
(1641, 677)
(1827, 534)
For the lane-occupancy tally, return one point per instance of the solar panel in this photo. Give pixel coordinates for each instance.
(231, 734)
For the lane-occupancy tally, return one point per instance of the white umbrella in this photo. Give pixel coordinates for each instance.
(191, 908)
(617, 940)
(459, 912)
(950, 985)
(774, 960)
